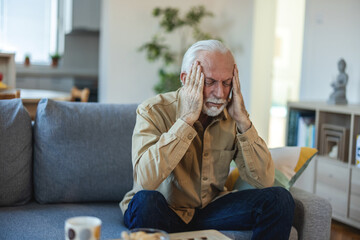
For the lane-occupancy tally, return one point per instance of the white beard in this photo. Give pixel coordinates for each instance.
(213, 111)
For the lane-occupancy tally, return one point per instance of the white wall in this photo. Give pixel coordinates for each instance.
(332, 31)
(288, 51)
(127, 77)
(262, 64)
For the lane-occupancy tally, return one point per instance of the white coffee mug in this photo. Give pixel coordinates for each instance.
(82, 228)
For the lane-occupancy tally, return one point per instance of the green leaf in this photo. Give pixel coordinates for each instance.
(196, 14)
(169, 81)
(170, 19)
(156, 49)
(156, 12)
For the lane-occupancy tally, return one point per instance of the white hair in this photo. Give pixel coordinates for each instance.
(205, 45)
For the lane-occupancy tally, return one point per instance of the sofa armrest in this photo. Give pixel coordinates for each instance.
(312, 217)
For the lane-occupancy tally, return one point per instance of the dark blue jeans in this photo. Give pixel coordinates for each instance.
(267, 212)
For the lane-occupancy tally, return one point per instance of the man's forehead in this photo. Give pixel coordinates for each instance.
(216, 60)
(217, 80)
(218, 66)
(213, 55)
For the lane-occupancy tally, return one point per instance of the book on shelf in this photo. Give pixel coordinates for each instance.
(306, 131)
(292, 125)
(358, 151)
(301, 130)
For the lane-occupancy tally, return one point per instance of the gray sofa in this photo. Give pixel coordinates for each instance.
(75, 159)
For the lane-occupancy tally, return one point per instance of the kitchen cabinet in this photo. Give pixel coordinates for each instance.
(82, 16)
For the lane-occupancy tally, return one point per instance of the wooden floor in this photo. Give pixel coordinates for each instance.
(340, 231)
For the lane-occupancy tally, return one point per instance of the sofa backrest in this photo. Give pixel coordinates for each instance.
(82, 151)
(15, 153)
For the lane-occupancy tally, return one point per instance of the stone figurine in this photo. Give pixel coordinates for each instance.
(338, 96)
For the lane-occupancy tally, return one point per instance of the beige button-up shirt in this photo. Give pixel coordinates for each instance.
(189, 165)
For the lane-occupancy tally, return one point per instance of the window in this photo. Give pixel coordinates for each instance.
(29, 28)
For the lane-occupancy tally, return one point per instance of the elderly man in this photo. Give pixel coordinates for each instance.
(183, 144)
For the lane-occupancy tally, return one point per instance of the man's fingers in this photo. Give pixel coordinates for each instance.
(236, 71)
(201, 83)
(188, 75)
(197, 77)
(191, 74)
(236, 82)
(194, 73)
(237, 76)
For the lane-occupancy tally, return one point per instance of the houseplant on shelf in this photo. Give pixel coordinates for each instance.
(55, 58)
(157, 48)
(27, 60)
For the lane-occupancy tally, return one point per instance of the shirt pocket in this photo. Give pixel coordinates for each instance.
(222, 162)
(184, 171)
(187, 162)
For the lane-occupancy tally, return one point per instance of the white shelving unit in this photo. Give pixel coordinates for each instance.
(335, 179)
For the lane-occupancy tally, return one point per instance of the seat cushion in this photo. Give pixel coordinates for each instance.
(82, 151)
(15, 153)
(47, 221)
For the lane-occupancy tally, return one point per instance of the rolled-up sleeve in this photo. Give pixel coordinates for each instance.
(253, 159)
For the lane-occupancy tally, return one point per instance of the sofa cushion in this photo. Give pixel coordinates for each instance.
(82, 151)
(290, 163)
(47, 221)
(15, 153)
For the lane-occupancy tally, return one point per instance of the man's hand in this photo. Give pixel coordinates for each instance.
(236, 106)
(191, 95)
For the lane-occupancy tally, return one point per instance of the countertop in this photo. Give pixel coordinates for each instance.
(48, 71)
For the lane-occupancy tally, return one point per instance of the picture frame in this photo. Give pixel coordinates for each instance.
(333, 135)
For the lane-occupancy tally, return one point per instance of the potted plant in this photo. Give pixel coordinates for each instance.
(55, 58)
(156, 49)
(27, 60)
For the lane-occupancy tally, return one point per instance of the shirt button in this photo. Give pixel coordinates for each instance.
(190, 136)
(206, 154)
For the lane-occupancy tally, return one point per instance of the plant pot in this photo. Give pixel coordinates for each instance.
(27, 61)
(54, 62)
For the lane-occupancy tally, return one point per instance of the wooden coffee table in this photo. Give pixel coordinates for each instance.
(199, 235)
